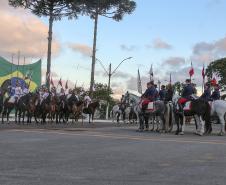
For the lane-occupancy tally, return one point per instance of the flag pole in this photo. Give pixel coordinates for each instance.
(12, 66)
(203, 77)
(18, 63)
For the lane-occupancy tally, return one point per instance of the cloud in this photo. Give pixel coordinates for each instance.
(120, 74)
(175, 61)
(20, 30)
(158, 43)
(128, 48)
(83, 49)
(204, 52)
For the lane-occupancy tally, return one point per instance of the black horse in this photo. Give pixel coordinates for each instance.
(199, 109)
(22, 108)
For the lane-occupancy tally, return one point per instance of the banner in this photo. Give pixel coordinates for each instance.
(27, 75)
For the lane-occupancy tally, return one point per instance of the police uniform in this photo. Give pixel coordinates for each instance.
(215, 95)
(162, 94)
(206, 94)
(188, 91)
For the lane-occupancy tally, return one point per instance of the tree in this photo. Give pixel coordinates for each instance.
(54, 10)
(102, 93)
(115, 10)
(219, 68)
(178, 87)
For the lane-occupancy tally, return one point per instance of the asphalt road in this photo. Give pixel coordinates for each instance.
(105, 154)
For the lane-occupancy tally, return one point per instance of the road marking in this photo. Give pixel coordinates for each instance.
(116, 136)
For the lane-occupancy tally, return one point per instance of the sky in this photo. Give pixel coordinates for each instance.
(167, 34)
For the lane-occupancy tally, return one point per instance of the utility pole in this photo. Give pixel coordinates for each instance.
(110, 73)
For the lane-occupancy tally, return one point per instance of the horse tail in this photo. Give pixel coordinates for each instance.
(206, 117)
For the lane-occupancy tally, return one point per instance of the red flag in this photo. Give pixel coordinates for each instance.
(66, 86)
(51, 82)
(191, 71)
(213, 81)
(203, 72)
(60, 83)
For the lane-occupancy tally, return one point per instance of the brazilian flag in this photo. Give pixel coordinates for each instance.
(29, 75)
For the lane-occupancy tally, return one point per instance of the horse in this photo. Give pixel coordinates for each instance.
(198, 108)
(8, 106)
(91, 109)
(218, 108)
(32, 107)
(115, 113)
(22, 107)
(154, 111)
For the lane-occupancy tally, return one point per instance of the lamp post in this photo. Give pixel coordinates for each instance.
(110, 73)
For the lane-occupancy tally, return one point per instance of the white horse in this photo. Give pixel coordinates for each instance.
(218, 108)
(115, 112)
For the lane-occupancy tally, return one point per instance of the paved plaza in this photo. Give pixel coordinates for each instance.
(108, 154)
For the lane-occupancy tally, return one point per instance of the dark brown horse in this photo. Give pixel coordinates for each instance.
(91, 109)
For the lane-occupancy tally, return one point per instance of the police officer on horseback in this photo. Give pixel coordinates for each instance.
(162, 93)
(216, 93)
(207, 92)
(151, 92)
(188, 90)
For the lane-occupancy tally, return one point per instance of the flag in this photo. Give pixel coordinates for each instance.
(151, 73)
(203, 72)
(213, 81)
(51, 82)
(191, 71)
(139, 86)
(60, 82)
(66, 85)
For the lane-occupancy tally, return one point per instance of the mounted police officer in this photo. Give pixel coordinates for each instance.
(162, 93)
(87, 100)
(186, 94)
(207, 92)
(188, 90)
(151, 92)
(216, 93)
(18, 92)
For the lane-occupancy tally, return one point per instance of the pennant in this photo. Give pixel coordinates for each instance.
(213, 81)
(151, 73)
(203, 72)
(51, 82)
(139, 86)
(60, 82)
(66, 85)
(191, 71)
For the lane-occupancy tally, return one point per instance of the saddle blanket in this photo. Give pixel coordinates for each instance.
(150, 106)
(187, 106)
(12, 99)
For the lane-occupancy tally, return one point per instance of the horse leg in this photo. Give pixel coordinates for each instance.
(182, 125)
(198, 122)
(146, 120)
(177, 120)
(222, 123)
(141, 121)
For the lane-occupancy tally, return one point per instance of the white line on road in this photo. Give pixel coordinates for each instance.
(117, 136)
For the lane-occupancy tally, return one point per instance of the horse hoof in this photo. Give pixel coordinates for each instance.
(221, 134)
(199, 133)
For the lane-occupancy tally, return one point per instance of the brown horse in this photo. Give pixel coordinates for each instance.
(91, 109)
(77, 109)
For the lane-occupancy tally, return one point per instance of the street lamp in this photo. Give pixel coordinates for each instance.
(110, 73)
